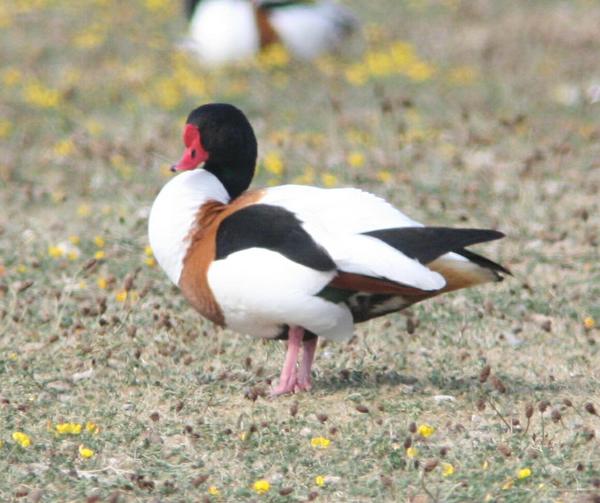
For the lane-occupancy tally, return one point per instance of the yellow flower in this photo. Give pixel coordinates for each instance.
(412, 452)
(357, 74)
(73, 254)
(486, 465)
(447, 469)
(100, 255)
(39, 96)
(121, 296)
(148, 251)
(589, 323)
(5, 128)
(523, 473)
(99, 241)
(356, 159)
(74, 240)
(64, 148)
(21, 268)
(68, 428)
(320, 442)
(320, 480)
(85, 452)
(403, 54)
(275, 55)
(101, 282)
(21, 438)
(383, 175)
(420, 71)
(93, 127)
(168, 93)
(11, 77)
(158, 5)
(273, 163)
(329, 179)
(462, 75)
(84, 210)
(55, 251)
(89, 38)
(379, 63)
(213, 491)
(261, 486)
(91, 427)
(426, 430)
(149, 261)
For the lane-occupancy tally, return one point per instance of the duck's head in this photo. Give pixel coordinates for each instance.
(219, 138)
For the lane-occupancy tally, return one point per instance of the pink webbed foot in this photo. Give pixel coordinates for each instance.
(290, 381)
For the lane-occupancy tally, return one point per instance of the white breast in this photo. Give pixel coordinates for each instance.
(174, 213)
(224, 31)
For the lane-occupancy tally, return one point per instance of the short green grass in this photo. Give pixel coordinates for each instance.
(487, 118)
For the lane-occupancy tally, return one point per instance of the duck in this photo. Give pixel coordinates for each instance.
(295, 262)
(229, 31)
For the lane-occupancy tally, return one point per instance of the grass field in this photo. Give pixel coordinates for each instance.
(467, 113)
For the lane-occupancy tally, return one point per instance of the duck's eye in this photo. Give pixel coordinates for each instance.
(193, 154)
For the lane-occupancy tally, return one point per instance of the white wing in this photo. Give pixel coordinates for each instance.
(336, 218)
(309, 30)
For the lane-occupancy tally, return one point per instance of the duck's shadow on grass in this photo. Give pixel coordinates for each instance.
(435, 382)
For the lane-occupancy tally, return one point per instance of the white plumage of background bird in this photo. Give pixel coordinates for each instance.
(229, 31)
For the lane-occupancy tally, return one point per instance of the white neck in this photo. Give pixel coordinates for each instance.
(174, 214)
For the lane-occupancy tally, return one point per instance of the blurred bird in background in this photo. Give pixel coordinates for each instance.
(229, 31)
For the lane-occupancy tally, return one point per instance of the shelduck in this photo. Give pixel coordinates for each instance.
(227, 31)
(294, 262)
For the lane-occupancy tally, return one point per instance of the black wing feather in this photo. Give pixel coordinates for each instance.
(273, 228)
(425, 244)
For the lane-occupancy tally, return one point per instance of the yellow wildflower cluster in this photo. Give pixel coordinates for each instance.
(85, 452)
(261, 486)
(11, 77)
(22, 439)
(38, 95)
(149, 257)
(65, 249)
(163, 6)
(274, 56)
(68, 428)
(320, 480)
(320, 442)
(447, 469)
(400, 58)
(524, 473)
(356, 159)
(589, 323)
(426, 430)
(462, 76)
(329, 179)
(412, 452)
(5, 128)
(64, 148)
(273, 163)
(91, 36)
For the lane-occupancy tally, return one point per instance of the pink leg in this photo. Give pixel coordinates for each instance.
(287, 380)
(304, 379)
